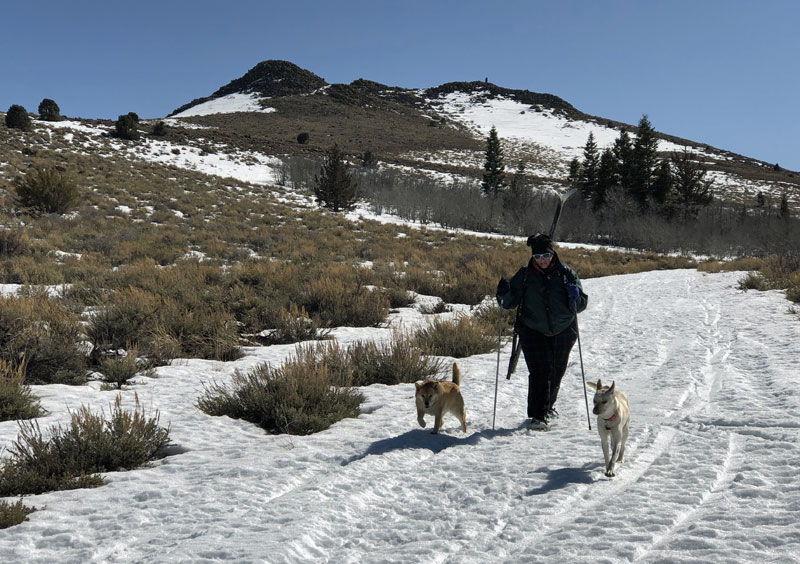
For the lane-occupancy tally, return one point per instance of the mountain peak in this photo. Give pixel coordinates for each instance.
(273, 78)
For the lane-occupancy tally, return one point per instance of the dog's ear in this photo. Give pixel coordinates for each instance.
(437, 386)
(418, 384)
(599, 384)
(592, 385)
(611, 389)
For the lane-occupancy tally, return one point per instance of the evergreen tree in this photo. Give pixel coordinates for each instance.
(662, 184)
(49, 110)
(690, 189)
(607, 178)
(516, 200)
(574, 176)
(644, 160)
(17, 118)
(589, 169)
(494, 167)
(126, 126)
(623, 151)
(784, 209)
(761, 200)
(334, 187)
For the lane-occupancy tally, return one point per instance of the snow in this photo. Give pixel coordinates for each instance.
(709, 475)
(236, 102)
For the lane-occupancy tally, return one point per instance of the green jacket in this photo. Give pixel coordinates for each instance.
(547, 308)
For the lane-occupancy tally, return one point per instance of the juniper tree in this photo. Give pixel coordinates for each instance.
(334, 187)
(49, 110)
(17, 118)
(126, 126)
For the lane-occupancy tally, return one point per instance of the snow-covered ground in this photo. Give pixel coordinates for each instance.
(710, 473)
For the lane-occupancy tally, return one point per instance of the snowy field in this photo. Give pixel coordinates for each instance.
(710, 473)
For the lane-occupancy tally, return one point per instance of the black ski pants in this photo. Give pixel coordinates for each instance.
(546, 357)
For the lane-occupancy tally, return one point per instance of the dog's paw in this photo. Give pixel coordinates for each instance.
(610, 473)
(421, 422)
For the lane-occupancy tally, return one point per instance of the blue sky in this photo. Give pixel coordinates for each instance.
(722, 72)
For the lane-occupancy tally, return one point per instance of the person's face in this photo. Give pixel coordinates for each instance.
(543, 260)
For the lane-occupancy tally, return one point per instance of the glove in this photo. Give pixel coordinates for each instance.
(503, 288)
(573, 292)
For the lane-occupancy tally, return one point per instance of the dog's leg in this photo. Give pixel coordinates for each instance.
(462, 416)
(622, 444)
(604, 444)
(616, 439)
(438, 423)
(421, 417)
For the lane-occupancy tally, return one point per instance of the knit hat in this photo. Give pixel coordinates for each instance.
(540, 244)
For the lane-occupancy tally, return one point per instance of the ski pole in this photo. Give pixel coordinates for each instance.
(583, 375)
(497, 374)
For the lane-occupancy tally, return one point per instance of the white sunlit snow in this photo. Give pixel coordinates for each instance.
(710, 473)
(236, 102)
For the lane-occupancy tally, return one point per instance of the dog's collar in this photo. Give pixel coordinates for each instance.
(612, 417)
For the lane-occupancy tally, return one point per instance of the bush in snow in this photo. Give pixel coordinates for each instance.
(47, 334)
(338, 304)
(16, 400)
(47, 190)
(73, 457)
(127, 126)
(302, 138)
(459, 338)
(298, 398)
(294, 325)
(13, 513)
(366, 362)
(49, 110)
(17, 118)
(160, 128)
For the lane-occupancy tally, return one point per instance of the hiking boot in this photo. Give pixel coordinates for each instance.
(552, 415)
(537, 424)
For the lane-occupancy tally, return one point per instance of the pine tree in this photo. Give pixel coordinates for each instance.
(690, 189)
(644, 160)
(494, 167)
(784, 209)
(334, 187)
(49, 110)
(589, 169)
(662, 186)
(623, 151)
(607, 178)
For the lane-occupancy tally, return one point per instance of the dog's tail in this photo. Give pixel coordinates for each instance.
(456, 375)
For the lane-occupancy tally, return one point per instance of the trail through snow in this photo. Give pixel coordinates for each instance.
(710, 473)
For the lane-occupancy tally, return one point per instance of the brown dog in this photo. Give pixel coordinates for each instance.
(436, 398)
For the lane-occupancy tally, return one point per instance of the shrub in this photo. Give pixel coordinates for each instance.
(160, 128)
(754, 281)
(13, 242)
(302, 138)
(13, 513)
(47, 190)
(460, 337)
(17, 118)
(126, 127)
(295, 325)
(340, 306)
(47, 334)
(437, 307)
(118, 370)
(366, 362)
(49, 110)
(297, 398)
(72, 457)
(16, 400)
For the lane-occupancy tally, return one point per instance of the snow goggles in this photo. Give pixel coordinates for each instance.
(538, 256)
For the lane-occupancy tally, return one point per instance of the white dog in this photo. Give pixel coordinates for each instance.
(613, 415)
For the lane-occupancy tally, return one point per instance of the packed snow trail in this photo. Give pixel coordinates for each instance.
(709, 473)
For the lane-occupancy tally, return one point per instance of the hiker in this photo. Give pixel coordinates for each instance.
(550, 294)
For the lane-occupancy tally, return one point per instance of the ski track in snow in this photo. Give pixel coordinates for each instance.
(709, 471)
